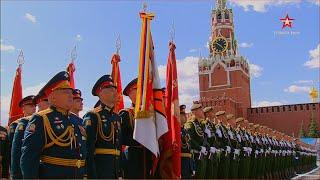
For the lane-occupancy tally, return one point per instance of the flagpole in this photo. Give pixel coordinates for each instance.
(116, 76)
(15, 111)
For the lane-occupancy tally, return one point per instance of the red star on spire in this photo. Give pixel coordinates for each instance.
(287, 21)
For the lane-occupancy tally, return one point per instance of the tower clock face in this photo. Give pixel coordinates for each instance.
(219, 45)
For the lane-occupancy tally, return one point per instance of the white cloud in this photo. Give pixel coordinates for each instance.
(304, 82)
(30, 17)
(245, 45)
(297, 89)
(5, 106)
(187, 79)
(261, 5)
(7, 48)
(316, 2)
(314, 61)
(255, 70)
(267, 103)
(193, 50)
(32, 90)
(78, 37)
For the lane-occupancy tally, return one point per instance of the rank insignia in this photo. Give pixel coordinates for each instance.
(32, 128)
(82, 131)
(88, 122)
(57, 120)
(20, 128)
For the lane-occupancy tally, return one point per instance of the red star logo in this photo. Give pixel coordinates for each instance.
(287, 21)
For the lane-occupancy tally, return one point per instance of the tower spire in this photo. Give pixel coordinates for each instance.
(221, 4)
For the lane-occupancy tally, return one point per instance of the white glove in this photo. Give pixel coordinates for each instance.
(228, 149)
(213, 150)
(237, 151)
(219, 132)
(203, 150)
(208, 132)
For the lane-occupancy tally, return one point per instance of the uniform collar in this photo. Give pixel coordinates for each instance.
(109, 109)
(62, 111)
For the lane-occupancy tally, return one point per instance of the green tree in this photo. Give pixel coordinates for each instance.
(313, 128)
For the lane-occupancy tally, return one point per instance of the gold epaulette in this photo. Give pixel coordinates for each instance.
(16, 121)
(44, 112)
(73, 113)
(187, 125)
(127, 109)
(204, 122)
(192, 118)
(97, 109)
(28, 117)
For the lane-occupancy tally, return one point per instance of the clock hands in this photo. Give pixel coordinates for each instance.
(220, 45)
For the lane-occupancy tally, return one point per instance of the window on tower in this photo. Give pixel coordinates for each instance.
(226, 15)
(232, 63)
(219, 15)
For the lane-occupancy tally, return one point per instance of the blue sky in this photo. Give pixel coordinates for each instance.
(47, 31)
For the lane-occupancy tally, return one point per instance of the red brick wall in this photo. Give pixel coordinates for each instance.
(238, 90)
(287, 120)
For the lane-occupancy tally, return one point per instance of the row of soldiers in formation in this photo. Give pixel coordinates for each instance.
(218, 145)
(56, 143)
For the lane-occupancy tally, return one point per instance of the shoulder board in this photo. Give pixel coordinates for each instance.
(29, 117)
(187, 125)
(44, 112)
(131, 109)
(191, 118)
(15, 122)
(97, 109)
(73, 113)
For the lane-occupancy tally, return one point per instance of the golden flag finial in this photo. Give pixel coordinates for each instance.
(313, 94)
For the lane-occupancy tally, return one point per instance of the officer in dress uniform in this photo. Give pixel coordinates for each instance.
(54, 142)
(139, 158)
(224, 145)
(103, 133)
(12, 129)
(4, 153)
(186, 156)
(210, 130)
(235, 141)
(77, 102)
(244, 164)
(197, 142)
(29, 107)
(259, 151)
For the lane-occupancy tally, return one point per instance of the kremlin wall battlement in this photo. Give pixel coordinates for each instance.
(286, 118)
